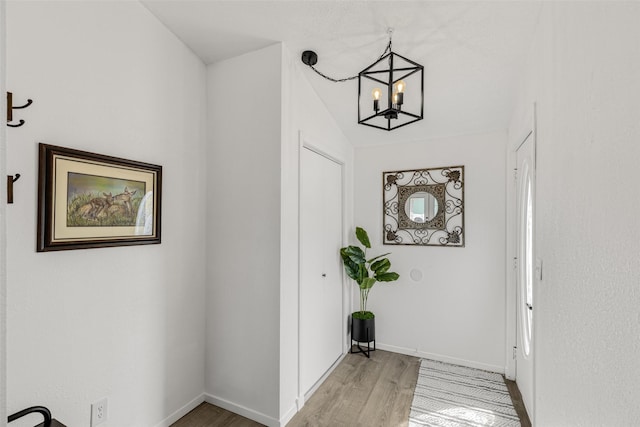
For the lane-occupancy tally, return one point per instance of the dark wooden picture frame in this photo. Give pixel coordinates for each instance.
(89, 200)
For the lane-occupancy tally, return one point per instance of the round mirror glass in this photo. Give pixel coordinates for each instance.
(421, 207)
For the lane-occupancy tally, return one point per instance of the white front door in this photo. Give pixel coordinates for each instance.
(525, 253)
(321, 316)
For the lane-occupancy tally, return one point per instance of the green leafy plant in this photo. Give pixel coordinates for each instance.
(366, 272)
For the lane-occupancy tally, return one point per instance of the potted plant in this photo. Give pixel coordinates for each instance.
(366, 272)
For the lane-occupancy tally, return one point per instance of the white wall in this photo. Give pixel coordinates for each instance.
(243, 244)
(3, 223)
(304, 113)
(584, 76)
(252, 292)
(456, 312)
(124, 323)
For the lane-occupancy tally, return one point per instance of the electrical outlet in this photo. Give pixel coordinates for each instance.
(99, 412)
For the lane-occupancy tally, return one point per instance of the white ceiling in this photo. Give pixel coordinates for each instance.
(473, 52)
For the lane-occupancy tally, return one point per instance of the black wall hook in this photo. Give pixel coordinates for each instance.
(10, 108)
(10, 180)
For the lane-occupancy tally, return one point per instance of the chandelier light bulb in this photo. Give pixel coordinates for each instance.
(376, 93)
(398, 96)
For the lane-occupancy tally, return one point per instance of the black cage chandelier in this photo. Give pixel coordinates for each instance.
(393, 82)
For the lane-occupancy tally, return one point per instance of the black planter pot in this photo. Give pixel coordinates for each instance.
(363, 331)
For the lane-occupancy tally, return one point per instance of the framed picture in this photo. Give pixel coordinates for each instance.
(88, 200)
(424, 207)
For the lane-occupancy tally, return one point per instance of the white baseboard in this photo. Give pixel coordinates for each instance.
(181, 412)
(242, 410)
(322, 379)
(287, 417)
(441, 358)
(301, 399)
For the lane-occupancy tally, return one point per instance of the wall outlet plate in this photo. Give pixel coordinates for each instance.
(99, 412)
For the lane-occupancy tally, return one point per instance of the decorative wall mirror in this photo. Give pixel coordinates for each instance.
(424, 207)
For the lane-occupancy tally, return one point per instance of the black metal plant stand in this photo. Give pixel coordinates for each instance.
(360, 349)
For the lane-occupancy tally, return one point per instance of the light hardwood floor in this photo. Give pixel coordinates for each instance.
(518, 404)
(363, 392)
(374, 392)
(208, 415)
(359, 392)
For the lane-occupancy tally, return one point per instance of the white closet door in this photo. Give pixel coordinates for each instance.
(320, 266)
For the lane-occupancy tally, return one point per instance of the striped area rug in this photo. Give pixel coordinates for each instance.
(451, 396)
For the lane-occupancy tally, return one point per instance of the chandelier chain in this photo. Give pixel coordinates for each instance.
(320, 73)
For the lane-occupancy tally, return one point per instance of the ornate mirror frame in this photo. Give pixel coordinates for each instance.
(446, 228)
